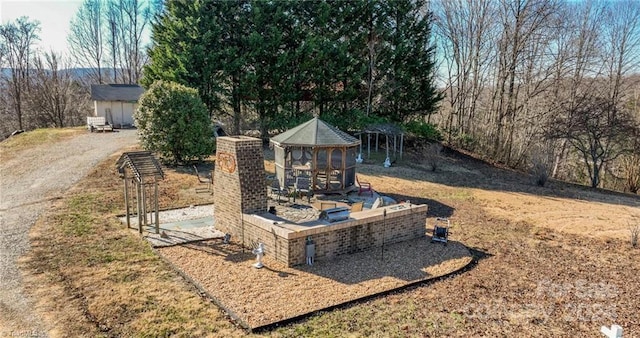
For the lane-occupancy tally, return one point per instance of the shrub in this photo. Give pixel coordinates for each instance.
(432, 154)
(173, 121)
(540, 169)
(424, 130)
(635, 233)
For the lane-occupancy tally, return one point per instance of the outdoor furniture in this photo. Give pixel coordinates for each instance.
(208, 180)
(95, 123)
(279, 191)
(364, 187)
(357, 206)
(377, 203)
(303, 185)
(327, 205)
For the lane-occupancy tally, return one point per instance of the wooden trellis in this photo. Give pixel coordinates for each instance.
(140, 171)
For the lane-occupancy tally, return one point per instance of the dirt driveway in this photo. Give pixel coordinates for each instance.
(29, 181)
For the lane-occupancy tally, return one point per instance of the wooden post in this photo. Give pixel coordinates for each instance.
(395, 149)
(138, 207)
(368, 145)
(126, 197)
(401, 142)
(144, 203)
(377, 135)
(157, 209)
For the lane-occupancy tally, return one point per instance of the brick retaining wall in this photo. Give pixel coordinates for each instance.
(365, 230)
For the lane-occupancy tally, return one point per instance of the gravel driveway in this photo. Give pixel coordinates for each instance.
(28, 183)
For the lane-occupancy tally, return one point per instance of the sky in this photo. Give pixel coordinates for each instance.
(54, 17)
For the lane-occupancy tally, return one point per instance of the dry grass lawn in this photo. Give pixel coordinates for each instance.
(552, 261)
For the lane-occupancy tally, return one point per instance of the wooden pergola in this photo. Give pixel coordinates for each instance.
(320, 151)
(140, 171)
(386, 129)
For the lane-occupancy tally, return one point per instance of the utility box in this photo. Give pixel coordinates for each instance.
(310, 251)
(335, 214)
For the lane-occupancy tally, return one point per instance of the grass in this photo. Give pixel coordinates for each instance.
(113, 284)
(37, 137)
(116, 284)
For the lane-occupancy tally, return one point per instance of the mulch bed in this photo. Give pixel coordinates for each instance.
(275, 293)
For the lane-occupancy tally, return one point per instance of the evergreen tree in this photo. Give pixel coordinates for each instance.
(186, 40)
(407, 62)
(173, 121)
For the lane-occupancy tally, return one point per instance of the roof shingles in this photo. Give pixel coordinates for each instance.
(315, 132)
(116, 92)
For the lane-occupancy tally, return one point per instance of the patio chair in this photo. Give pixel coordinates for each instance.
(364, 187)
(208, 180)
(279, 191)
(303, 185)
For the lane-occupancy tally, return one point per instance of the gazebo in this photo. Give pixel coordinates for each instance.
(320, 151)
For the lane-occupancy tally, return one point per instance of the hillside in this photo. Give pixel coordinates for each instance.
(550, 261)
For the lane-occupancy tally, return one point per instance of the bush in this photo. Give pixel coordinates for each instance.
(635, 233)
(541, 165)
(433, 155)
(424, 130)
(174, 122)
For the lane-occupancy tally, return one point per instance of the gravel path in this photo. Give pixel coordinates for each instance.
(28, 183)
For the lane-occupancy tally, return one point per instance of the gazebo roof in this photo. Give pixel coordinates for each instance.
(315, 132)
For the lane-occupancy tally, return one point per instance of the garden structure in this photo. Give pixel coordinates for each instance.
(240, 202)
(140, 171)
(319, 151)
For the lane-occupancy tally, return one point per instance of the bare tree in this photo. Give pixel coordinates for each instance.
(126, 21)
(19, 37)
(597, 129)
(55, 96)
(467, 30)
(86, 39)
(113, 37)
(621, 45)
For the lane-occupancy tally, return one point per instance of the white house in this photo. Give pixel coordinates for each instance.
(116, 102)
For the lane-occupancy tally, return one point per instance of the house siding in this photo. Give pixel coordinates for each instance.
(121, 112)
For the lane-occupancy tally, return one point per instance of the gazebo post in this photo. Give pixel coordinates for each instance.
(369, 145)
(126, 196)
(401, 142)
(377, 135)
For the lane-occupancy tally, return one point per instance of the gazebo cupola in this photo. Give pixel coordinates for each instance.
(318, 150)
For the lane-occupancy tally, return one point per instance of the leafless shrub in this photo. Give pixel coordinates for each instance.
(631, 170)
(433, 155)
(541, 164)
(635, 234)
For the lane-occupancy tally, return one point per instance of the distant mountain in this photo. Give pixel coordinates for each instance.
(76, 73)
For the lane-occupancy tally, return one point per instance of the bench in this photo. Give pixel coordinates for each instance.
(95, 123)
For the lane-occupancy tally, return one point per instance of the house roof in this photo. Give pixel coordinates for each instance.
(116, 92)
(315, 132)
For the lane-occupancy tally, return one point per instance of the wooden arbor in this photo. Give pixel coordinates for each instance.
(318, 150)
(140, 171)
(387, 130)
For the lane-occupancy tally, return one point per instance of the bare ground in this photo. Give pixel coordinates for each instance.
(545, 265)
(276, 292)
(29, 180)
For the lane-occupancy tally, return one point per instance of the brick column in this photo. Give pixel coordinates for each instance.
(239, 182)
